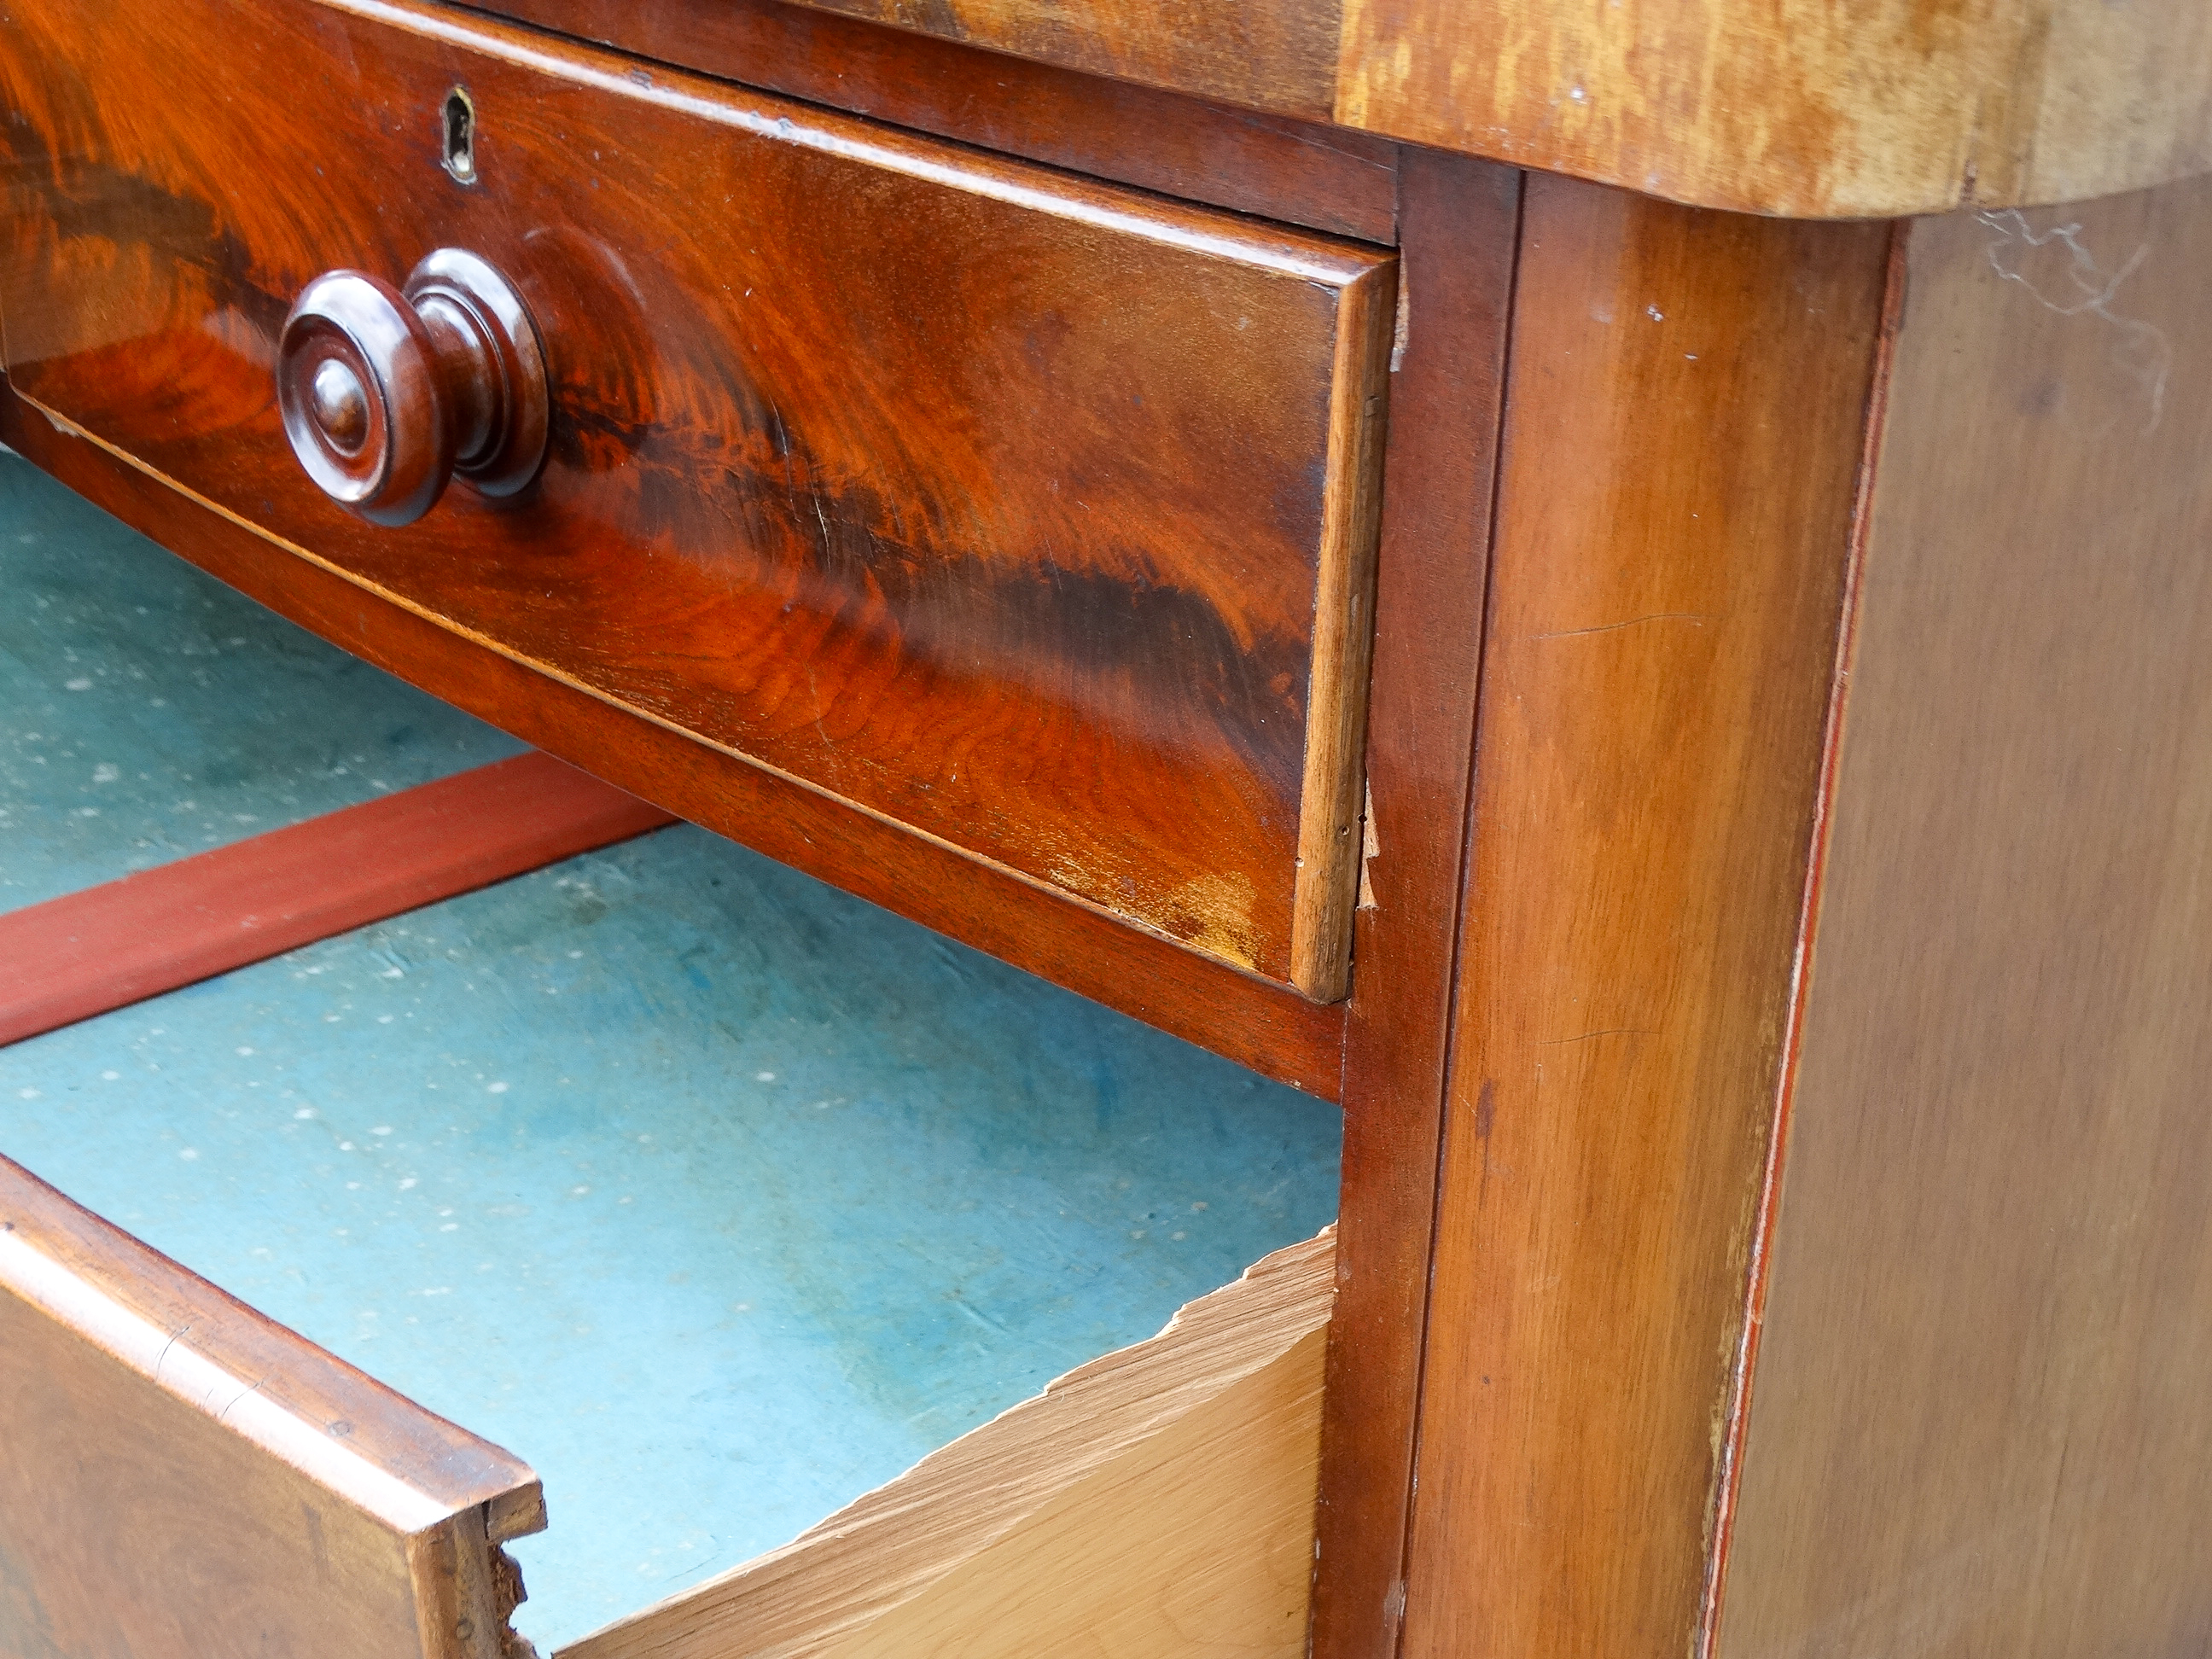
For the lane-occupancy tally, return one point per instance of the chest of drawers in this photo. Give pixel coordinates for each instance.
(1412, 572)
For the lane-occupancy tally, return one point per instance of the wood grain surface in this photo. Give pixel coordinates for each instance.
(185, 1480)
(1684, 401)
(1780, 107)
(1461, 219)
(1268, 1027)
(1155, 1504)
(1799, 108)
(1283, 169)
(1279, 55)
(104, 947)
(1023, 511)
(1979, 1424)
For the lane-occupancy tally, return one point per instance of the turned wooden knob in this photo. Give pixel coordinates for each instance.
(387, 393)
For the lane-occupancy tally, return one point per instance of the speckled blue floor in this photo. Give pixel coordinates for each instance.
(719, 1195)
(147, 711)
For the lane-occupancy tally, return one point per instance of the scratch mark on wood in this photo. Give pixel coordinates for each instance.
(1698, 616)
(1611, 1031)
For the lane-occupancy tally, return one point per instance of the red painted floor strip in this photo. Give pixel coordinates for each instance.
(86, 952)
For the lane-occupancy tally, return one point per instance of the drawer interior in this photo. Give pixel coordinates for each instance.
(719, 1196)
(148, 712)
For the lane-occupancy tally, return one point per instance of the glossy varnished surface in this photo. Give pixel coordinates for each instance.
(1978, 1418)
(851, 1187)
(1280, 56)
(1268, 1027)
(1685, 406)
(1281, 168)
(1022, 512)
(103, 947)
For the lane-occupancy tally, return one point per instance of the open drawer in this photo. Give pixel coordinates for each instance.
(183, 1477)
(757, 1219)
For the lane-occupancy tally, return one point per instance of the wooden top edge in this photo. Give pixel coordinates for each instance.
(890, 1544)
(374, 1447)
(1292, 251)
(1791, 108)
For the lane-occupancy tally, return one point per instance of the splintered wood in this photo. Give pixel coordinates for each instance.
(1158, 1501)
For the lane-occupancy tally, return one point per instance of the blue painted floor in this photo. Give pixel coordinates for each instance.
(717, 1194)
(147, 712)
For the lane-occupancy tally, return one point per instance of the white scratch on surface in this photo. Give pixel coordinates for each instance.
(2144, 353)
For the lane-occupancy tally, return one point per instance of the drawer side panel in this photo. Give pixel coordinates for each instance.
(182, 1479)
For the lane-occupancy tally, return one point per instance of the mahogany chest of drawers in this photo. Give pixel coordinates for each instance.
(1561, 619)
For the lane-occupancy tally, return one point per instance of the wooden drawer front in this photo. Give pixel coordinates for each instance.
(1030, 513)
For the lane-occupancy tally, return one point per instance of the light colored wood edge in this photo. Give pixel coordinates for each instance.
(1794, 108)
(837, 1586)
(1327, 885)
(459, 1610)
(407, 1468)
(1199, 1544)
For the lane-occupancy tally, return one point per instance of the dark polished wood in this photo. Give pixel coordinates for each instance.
(155, 930)
(385, 393)
(1978, 1420)
(1029, 513)
(1685, 406)
(1461, 220)
(1327, 178)
(1270, 1028)
(185, 1480)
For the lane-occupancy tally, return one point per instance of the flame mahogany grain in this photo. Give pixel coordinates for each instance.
(1270, 1028)
(1029, 513)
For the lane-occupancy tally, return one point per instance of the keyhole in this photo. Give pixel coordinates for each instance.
(461, 136)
